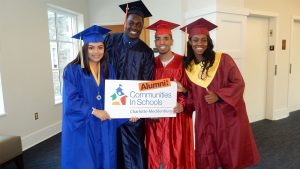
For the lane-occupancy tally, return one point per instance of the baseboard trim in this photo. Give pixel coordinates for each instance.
(294, 108)
(38, 136)
(280, 114)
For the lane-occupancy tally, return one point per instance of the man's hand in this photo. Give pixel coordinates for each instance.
(178, 108)
(180, 88)
(133, 119)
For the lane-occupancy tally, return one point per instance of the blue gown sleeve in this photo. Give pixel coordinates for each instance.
(75, 109)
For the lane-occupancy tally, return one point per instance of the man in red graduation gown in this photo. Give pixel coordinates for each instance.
(132, 60)
(223, 134)
(169, 141)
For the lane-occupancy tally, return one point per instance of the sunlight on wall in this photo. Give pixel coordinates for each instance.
(1, 99)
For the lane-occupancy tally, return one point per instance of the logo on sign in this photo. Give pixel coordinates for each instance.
(119, 98)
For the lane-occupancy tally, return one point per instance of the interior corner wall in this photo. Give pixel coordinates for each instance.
(228, 21)
(163, 10)
(25, 66)
(285, 11)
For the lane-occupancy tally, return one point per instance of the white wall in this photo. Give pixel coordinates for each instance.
(285, 11)
(106, 12)
(111, 13)
(25, 66)
(192, 5)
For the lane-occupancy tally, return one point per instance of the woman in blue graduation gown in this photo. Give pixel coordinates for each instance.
(88, 133)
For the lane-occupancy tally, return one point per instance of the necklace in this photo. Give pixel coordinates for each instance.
(97, 79)
(98, 97)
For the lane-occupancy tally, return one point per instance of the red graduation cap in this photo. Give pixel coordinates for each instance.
(162, 27)
(200, 26)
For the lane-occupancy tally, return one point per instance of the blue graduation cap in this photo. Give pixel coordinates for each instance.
(94, 34)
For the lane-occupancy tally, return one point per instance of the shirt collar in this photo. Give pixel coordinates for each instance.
(128, 42)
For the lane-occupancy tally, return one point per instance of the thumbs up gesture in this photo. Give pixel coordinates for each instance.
(211, 97)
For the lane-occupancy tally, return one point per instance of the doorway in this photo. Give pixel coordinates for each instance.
(256, 67)
(294, 71)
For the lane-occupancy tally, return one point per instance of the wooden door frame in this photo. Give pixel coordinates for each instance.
(145, 34)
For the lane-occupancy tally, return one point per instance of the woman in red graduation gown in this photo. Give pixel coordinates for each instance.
(223, 135)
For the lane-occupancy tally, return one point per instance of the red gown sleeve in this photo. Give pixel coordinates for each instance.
(233, 91)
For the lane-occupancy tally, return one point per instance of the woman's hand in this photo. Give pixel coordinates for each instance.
(101, 114)
(211, 97)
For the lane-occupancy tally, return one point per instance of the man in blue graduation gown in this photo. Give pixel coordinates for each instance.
(132, 60)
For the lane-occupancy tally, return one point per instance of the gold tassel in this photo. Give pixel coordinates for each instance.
(81, 55)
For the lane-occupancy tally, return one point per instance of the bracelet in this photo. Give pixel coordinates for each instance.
(93, 111)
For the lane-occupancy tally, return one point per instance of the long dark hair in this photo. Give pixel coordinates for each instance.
(208, 58)
(86, 69)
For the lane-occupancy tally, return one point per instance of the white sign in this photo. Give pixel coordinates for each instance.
(142, 99)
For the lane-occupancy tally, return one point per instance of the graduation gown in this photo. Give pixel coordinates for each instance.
(223, 135)
(170, 140)
(87, 142)
(132, 60)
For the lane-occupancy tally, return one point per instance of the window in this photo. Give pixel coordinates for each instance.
(62, 25)
(2, 111)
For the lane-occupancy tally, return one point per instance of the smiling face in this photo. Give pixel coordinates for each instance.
(95, 52)
(134, 26)
(199, 44)
(163, 43)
